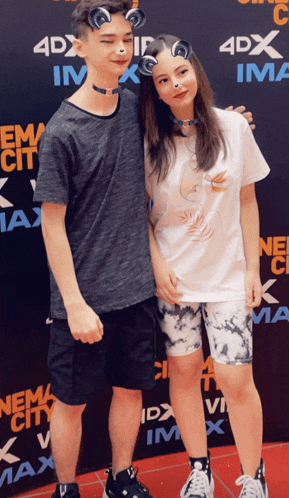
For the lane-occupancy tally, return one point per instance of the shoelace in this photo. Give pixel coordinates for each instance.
(252, 488)
(198, 484)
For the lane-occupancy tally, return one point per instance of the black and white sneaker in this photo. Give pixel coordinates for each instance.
(200, 483)
(254, 487)
(125, 485)
(66, 491)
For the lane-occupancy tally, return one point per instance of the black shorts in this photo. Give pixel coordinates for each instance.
(124, 357)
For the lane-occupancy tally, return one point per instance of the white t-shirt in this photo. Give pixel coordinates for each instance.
(196, 214)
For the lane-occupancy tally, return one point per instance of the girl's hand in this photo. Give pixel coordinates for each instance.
(253, 289)
(166, 282)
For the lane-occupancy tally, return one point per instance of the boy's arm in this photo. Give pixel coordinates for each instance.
(84, 323)
(250, 231)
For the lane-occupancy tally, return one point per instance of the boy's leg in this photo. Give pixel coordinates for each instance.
(124, 423)
(66, 433)
(130, 369)
(76, 369)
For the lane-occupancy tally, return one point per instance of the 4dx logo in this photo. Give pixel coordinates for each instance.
(244, 44)
(54, 45)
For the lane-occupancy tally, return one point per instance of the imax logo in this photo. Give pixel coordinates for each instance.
(65, 75)
(269, 72)
(158, 435)
(244, 44)
(10, 474)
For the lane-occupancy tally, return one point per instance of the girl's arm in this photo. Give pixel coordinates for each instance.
(250, 230)
(166, 281)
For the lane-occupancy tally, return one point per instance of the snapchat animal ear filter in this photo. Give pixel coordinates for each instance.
(180, 47)
(99, 16)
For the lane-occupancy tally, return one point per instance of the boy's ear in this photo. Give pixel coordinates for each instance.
(78, 47)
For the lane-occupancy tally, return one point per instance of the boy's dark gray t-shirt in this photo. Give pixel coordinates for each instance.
(95, 166)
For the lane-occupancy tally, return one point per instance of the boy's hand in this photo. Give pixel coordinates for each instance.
(84, 323)
(248, 115)
(166, 283)
(253, 289)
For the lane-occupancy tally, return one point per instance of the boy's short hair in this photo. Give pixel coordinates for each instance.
(80, 14)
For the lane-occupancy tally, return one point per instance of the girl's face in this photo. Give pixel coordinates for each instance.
(175, 80)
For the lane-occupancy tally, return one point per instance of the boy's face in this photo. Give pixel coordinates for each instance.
(108, 50)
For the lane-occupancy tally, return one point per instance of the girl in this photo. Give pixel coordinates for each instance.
(201, 167)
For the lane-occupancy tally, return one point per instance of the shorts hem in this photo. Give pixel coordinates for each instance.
(67, 400)
(186, 353)
(133, 387)
(236, 363)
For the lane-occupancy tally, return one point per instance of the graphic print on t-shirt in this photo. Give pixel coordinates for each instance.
(195, 187)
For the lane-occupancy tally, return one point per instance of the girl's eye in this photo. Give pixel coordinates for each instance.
(128, 40)
(163, 80)
(106, 41)
(184, 71)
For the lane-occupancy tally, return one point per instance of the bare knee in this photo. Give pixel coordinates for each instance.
(236, 382)
(71, 412)
(186, 370)
(130, 395)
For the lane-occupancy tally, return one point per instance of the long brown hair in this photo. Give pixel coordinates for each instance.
(160, 131)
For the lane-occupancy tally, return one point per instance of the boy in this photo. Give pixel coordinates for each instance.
(94, 222)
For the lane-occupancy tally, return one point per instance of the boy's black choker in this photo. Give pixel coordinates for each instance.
(106, 91)
(187, 121)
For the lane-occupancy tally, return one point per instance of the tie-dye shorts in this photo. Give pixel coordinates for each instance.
(228, 325)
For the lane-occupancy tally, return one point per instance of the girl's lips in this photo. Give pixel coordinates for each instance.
(180, 95)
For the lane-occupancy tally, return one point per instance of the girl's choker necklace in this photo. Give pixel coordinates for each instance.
(186, 122)
(106, 91)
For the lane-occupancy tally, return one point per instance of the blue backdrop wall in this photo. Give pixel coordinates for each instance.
(243, 45)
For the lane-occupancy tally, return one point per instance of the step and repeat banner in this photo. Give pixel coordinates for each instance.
(243, 45)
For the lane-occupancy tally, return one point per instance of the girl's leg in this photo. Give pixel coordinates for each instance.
(186, 399)
(245, 412)
(229, 328)
(182, 325)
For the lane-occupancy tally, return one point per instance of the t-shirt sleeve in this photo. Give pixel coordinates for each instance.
(52, 183)
(255, 167)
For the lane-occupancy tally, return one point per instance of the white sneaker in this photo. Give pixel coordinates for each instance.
(199, 484)
(254, 487)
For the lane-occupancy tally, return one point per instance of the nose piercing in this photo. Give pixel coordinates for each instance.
(122, 50)
(176, 86)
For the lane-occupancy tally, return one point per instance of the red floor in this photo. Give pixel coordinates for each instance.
(164, 476)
